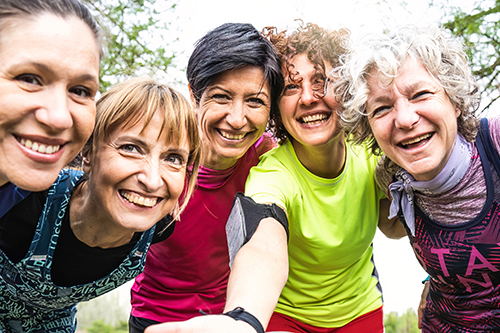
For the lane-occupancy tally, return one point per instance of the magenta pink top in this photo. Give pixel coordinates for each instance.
(188, 272)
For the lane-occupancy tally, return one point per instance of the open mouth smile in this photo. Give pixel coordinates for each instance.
(139, 200)
(416, 142)
(314, 119)
(39, 147)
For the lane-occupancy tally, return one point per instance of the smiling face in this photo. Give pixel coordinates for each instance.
(310, 120)
(413, 120)
(232, 114)
(49, 72)
(137, 176)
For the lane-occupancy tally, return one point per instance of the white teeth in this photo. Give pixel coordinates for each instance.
(232, 136)
(314, 118)
(417, 139)
(139, 200)
(39, 147)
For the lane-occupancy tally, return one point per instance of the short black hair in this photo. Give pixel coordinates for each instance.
(232, 46)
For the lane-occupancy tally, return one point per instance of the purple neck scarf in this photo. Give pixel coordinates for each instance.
(454, 170)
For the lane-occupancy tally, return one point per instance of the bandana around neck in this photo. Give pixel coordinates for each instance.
(454, 170)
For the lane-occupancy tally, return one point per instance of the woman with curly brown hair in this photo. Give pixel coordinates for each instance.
(327, 187)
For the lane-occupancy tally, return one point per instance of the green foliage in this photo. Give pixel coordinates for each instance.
(407, 323)
(479, 31)
(101, 327)
(135, 37)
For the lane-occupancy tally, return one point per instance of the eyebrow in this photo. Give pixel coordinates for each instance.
(44, 68)
(407, 89)
(260, 92)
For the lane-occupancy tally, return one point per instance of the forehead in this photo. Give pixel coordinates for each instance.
(50, 39)
(157, 128)
(244, 78)
(301, 65)
(409, 75)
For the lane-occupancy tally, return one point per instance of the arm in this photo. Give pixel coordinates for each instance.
(392, 228)
(423, 304)
(259, 272)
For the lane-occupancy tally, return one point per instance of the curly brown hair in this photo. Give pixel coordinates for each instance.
(319, 44)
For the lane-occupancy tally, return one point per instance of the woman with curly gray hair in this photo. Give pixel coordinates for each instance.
(412, 94)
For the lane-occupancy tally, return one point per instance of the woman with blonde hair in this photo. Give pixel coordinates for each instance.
(90, 232)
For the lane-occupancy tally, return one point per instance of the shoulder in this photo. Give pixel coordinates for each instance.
(383, 176)
(494, 127)
(265, 143)
(278, 158)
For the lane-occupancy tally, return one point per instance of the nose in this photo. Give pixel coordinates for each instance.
(307, 96)
(55, 112)
(236, 117)
(406, 115)
(150, 177)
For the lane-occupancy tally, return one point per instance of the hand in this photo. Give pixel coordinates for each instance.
(423, 304)
(203, 324)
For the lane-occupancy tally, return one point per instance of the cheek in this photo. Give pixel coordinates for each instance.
(259, 118)
(176, 184)
(331, 102)
(208, 115)
(84, 122)
(380, 132)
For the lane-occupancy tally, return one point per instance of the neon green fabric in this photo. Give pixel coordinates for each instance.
(332, 226)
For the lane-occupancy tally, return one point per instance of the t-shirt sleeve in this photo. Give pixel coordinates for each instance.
(268, 183)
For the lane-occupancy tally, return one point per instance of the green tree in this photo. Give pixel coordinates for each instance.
(479, 30)
(135, 33)
(407, 323)
(101, 327)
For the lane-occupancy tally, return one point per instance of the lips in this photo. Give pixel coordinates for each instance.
(139, 200)
(416, 142)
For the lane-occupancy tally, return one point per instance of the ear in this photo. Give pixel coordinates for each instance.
(193, 99)
(87, 165)
(457, 112)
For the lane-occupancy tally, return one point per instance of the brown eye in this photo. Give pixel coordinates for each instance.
(81, 91)
(30, 79)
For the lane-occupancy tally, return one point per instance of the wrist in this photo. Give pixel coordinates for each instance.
(240, 314)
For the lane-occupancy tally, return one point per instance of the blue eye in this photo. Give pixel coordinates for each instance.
(289, 87)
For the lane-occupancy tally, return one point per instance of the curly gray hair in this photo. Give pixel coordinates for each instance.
(441, 54)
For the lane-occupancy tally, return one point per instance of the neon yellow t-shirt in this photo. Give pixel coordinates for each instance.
(332, 277)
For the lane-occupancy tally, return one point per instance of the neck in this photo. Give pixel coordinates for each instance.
(212, 160)
(326, 161)
(90, 225)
